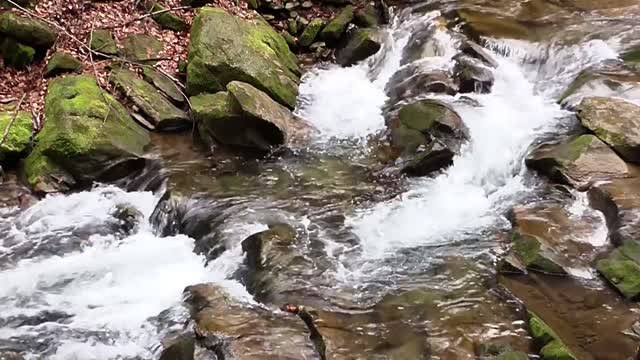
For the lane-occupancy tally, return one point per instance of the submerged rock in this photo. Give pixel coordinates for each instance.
(622, 269)
(413, 80)
(529, 250)
(160, 111)
(61, 63)
(578, 162)
(246, 117)
(225, 48)
(18, 138)
(88, 136)
(550, 344)
(614, 121)
(361, 44)
(237, 330)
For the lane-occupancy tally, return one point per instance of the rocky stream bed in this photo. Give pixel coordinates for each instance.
(423, 180)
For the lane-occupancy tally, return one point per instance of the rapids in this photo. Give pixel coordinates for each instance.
(73, 285)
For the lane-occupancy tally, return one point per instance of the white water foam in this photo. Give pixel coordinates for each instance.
(111, 285)
(488, 174)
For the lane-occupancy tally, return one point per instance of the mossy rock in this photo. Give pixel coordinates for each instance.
(292, 42)
(219, 119)
(406, 140)
(61, 63)
(632, 55)
(163, 114)
(361, 44)
(529, 250)
(622, 269)
(142, 48)
(338, 25)
(225, 48)
(614, 121)
(367, 17)
(102, 41)
(167, 19)
(19, 136)
(32, 32)
(550, 344)
(88, 136)
(311, 32)
(431, 115)
(163, 83)
(578, 161)
(16, 55)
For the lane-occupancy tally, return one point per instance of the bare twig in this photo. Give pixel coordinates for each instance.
(148, 15)
(13, 119)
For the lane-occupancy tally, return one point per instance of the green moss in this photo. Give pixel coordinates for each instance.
(528, 249)
(168, 20)
(556, 350)
(225, 48)
(86, 129)
(406, 140)
(632, 55)
(61, 63)
(622, 272)
(19, 136)
(141, 47)
(311, 32)
(540, 331)
(576, 84)
(15, 54)
(28, 31)
(575, 148)
(213, 106)
(102, 41)
(337, 26)
(421, 115)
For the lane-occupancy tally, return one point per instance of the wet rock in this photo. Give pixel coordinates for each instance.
(245, 117)
(14, 194)
(18, 138)
(142, 48)
(413, 80)
(530, 252)
(611, 78)
(361, 44)
(102, 41)
(478, 24)
(164, 84)
(614, 121)
(619, 201)
(311, 32)
(61, 63)
(433, 158)
(476, 51)
(422, 44)
(15, 54)
(233, 329)
(166, 19)
(367, 17)
(578, 162)
(622, 269)
(225, 48)
(181, 348)
(88, 136)
(334, 29)
(472, 75)
(128, 217)
(551, 346)
(160, 111)
(10, 355)
(28, 31)
(433, 117)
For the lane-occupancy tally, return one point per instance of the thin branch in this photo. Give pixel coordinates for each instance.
(13, 119)
(149, 15)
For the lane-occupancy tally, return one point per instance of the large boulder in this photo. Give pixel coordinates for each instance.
(361, 44)
(426, 134)
(18, 138)
(614, 121)
(32, 32)
(225, 48)
(238, 330)
(338, 25)
(88, 136)
(160, 112)
(611, 78)
(578, 161)
(247, 117)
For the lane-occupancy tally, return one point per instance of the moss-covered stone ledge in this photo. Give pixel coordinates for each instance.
(550, 345)
(88, 136)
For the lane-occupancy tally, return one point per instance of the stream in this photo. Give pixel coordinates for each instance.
(75, 284)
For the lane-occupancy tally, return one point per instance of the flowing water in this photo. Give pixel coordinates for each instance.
(76, 284)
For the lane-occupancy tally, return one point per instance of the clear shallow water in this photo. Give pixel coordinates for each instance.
(117, 293)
